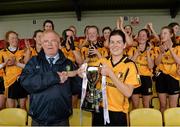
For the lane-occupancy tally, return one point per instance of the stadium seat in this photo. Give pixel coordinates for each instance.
(172, 117)
(75, 118)
(145, 117)
(13, 117)
(29, 121)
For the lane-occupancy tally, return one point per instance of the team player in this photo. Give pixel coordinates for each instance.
(168, 57)
(2, 88)
(13, 62)
(71, 52)
(69, 49)
(93, 51)
(143, 56)
(121, 79)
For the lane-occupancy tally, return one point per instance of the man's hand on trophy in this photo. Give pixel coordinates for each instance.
(106, 70)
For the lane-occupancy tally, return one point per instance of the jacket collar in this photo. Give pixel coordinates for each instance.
(61, 59)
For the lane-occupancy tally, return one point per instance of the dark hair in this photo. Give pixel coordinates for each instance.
(48, 21)
(86, 27)
(93, 26)
(145, 30)
(173, 24)
(171, 31)
(35, 33)
(120, 33)
(64, 34)
(106, 28)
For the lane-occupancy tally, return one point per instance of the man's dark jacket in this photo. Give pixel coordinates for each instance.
(50, 100)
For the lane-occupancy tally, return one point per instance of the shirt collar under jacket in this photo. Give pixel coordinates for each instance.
(56, 57)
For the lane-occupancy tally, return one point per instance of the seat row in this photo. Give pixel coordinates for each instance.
(137, 117)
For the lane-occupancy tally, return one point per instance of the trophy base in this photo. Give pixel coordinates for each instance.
(88, 107)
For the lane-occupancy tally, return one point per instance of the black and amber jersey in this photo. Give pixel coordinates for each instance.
(76, 43)
(69, 53)
(93, 60)
(141, 61)
(11, 73)
(168, 64)
(33, 51)
(154, 40)
(126, 72)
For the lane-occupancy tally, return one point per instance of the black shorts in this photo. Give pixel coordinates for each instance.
(146, 86)
(16, 91)
(167, 84)
(116, 118)
(2, 85)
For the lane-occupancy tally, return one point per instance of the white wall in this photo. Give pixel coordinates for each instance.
(23, 24)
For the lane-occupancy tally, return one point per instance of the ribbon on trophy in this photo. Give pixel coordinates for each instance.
(84, 87)
(84, 83)
(105, 102)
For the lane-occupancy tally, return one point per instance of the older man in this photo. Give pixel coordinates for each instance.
(45, 78)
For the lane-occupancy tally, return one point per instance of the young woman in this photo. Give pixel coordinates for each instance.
(13, 64)
(68, 48)
(48, 25)
(93, 51)
(37, 39)
(167, 84)
(106, 33)
(176, 28)
(144, 59)
(121, 79)
(2, 88)
(73, 53)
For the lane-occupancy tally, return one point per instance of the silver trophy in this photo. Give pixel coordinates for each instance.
(93, 95)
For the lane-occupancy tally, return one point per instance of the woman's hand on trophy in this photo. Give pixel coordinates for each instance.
(106, 70)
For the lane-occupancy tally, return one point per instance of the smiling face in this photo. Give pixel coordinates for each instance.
(50, 43)
(106, 34)
(165, 35)
(142, 37)
(48, 26)
(116, 45)
(92, 34)
(12, 38)
(37, 38)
